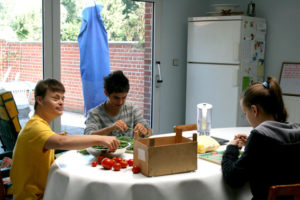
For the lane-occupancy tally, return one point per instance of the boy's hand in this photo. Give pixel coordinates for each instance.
(141, 129)
(111, 142)
(120, 125)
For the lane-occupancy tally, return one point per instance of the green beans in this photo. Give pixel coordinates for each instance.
(123, 144)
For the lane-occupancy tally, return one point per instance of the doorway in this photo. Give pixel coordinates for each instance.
(129, 27)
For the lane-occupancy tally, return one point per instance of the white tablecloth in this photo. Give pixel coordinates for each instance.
(72, 177)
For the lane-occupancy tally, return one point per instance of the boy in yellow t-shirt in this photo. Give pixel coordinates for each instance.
(34, 150)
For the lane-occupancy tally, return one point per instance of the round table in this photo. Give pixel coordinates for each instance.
(72, 177)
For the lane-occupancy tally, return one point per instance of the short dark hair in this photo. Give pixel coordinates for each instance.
(116, 82)
(48, 84)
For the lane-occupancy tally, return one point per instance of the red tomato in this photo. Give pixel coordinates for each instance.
(114, 161)
(119, 159)
(124, 164)
(99, 159)
(136, 169)
(117, 166)
(107, 163)
(130, 162)
(94, 163)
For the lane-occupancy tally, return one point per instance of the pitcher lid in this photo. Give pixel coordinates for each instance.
(204, 105)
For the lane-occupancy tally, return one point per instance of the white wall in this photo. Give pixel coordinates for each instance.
(173, 44)
(283, 44)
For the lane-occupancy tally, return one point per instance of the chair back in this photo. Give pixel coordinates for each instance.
(22, 92)
(292, 191)
(9, 121)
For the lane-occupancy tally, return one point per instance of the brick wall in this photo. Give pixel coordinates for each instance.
(23, 60)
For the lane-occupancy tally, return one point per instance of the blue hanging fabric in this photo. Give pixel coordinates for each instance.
(94, 56)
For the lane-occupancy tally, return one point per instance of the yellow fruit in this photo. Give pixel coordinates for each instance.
(206, 143)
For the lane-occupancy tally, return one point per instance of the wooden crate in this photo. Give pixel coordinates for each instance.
(166, 155)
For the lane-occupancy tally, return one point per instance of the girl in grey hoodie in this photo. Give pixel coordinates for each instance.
(272, 149)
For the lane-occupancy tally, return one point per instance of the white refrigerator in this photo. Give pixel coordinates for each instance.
(225, 54)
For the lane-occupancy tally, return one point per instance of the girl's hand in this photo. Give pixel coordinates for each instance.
(239, 140)
(242, 139)
(234, 142)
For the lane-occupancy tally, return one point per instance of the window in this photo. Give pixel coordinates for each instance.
(129, 27)
(21, 51)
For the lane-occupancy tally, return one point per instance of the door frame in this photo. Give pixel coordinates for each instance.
(51, 54)
(51, 45)
(155, 72)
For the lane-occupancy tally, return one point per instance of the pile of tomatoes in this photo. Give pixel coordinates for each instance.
(115, 163)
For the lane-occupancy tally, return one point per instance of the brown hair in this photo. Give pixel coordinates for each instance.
(47, 84)
(267, 96)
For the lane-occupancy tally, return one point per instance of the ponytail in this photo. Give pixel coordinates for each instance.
(279, 111)
(267, 96)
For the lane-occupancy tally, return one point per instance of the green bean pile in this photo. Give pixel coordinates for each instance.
(124, 140)
(122, 145)
(128, 140)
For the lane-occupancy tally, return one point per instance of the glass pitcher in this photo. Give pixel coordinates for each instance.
(204, 115)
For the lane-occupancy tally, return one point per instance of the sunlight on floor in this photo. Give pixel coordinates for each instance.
(73, 123)
(73, 119)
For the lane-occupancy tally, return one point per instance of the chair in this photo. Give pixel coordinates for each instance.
(9, 130)
(9, 121)
(22, 91)
(292, 191)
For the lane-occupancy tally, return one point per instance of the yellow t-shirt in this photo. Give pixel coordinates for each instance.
(31, 162)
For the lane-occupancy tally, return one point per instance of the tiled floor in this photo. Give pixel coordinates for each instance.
(73, 123)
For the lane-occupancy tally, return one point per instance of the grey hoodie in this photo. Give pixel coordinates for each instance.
(271, 157)
(284, 132)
